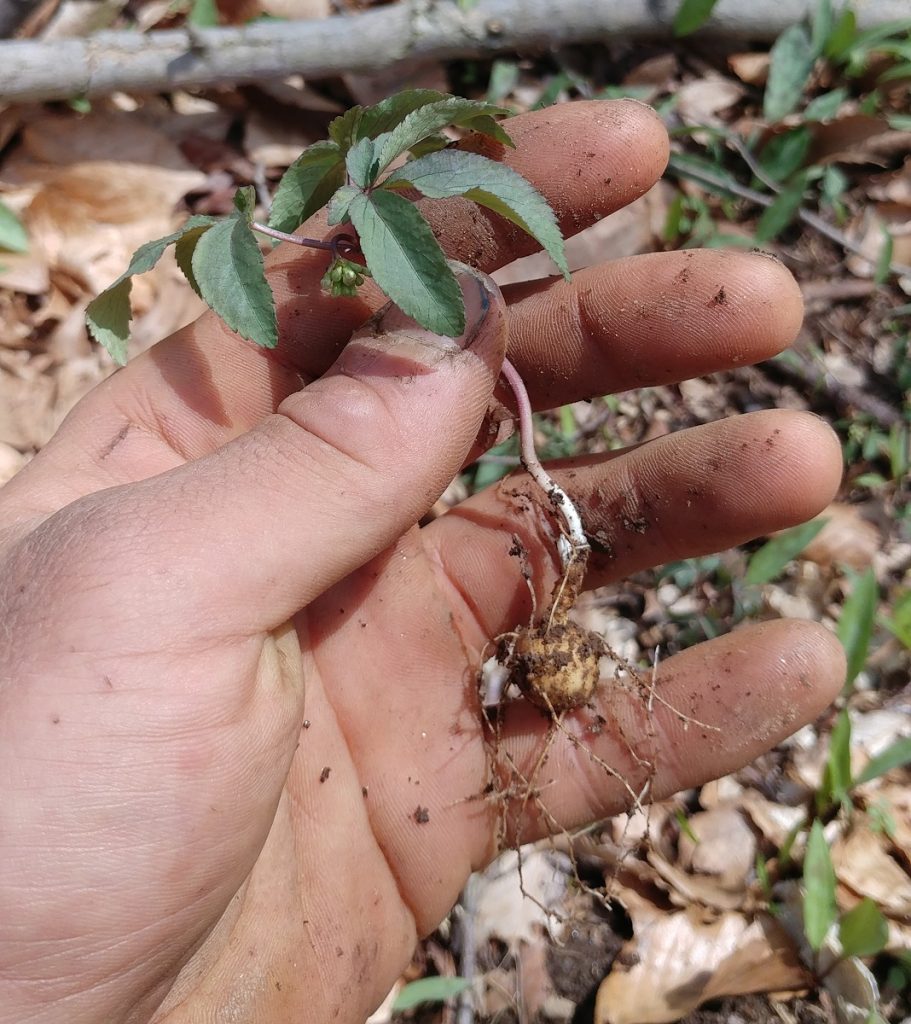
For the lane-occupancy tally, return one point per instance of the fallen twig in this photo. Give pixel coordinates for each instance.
(380, 39)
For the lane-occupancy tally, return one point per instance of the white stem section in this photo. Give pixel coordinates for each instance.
(558, 497)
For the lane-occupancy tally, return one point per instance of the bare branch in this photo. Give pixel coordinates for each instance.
(378, 39)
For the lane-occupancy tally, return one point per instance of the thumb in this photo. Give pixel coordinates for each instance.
(271, 520)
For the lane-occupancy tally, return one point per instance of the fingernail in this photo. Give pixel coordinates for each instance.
(397, 329)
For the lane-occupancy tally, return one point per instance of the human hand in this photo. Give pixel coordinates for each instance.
(208, 557)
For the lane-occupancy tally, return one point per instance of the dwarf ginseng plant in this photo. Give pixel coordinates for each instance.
(554, 663)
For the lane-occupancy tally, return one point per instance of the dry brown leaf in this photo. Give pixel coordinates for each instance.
(867, 231)
(726, 847)
(675, 961)
(852, 139)
(775, 821)
(658, 71)
(24, 272)
(504, 912)
(862, 863)
(703, 99)
(846, 539)
(893, 800)
(752, 68)
(26, 409)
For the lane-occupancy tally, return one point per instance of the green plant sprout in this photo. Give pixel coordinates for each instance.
(355, 176)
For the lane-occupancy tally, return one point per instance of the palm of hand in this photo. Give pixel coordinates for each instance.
(213, 843)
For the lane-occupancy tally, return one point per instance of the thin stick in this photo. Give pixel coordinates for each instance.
(559, 498)
(724, 184)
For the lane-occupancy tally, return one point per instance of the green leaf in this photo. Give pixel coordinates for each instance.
(12, 233)
(884, 263)
(836, 779)
(895, 756)
(863, 930)
(899, 623)
(203, 14)
(842, 35)
(792, 60)
(245, 202)
(108, 318)
(855, 626)
(691, 15)
(504, 77)
(823, 23)
(108, 315)
(230, 273)
(362, 164)
(819, 906)
(407, 262)
(343, 129)
(490, 184)
(368, 122)
(184, 248)
(339, 203)
(782, 212)
(429, 119)
(770, 560)
(784, 154)
(825, 106)
(428, 990)
(307, 185)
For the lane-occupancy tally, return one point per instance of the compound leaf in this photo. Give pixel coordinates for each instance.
(488, 183)
(430, 118)
(307, 185)
(229, 271)
(108, 314)
(407, 262)
(12, 234)
(819, 906)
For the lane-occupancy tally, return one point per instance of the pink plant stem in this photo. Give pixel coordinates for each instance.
(559, 498)
(340, 243)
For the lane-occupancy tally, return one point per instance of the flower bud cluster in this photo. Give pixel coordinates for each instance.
(344, 277)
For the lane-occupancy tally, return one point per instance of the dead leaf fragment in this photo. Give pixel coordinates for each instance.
(862, 863)
(725, 847)
(846, 539)
(676, 961)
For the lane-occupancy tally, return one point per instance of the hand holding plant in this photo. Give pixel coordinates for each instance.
(239, 722)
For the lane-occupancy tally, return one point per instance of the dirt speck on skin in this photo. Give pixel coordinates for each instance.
(720, 298)
(324, 774)
(421, 815)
